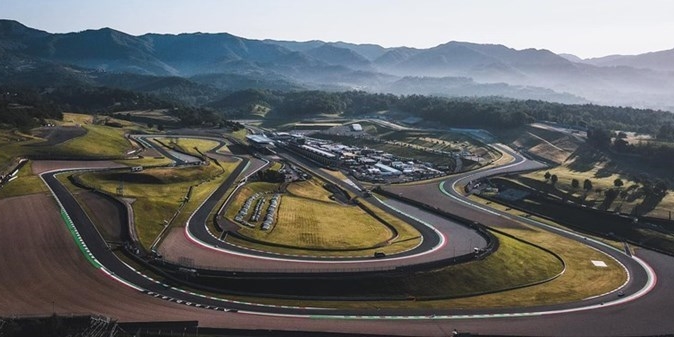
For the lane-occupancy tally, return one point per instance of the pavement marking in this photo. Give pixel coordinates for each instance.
(650, 284)
(600, 264)
(195, 240)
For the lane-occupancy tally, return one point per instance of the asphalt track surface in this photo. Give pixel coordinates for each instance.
(646, 315)
(243, 259)
(429, 250)
(434, 246)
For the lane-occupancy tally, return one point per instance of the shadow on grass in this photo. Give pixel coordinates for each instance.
(609, 197)
(648, 204)
(607, 170)
(585, 159)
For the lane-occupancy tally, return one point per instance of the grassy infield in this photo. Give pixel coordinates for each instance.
(115, 145)
(314, 224)
(495, 272)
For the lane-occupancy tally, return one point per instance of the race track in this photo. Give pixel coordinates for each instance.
(60, 271)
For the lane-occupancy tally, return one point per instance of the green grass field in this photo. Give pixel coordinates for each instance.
(310, 189)
(158, 192)
(203, 190)
(191, 145)
(311, 224)
(158, 116)
(12, 145)
(514, 264)
(602, 180)
(100, 141)
(302, 226)
(240, 134)
(26, 183)
(72, 119)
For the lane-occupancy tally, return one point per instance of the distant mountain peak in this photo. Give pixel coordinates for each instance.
(659, 61)
(15, 29)
(571, 57)
(242, 62)
(334, 55)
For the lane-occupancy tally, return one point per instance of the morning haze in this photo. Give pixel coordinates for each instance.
(583, 28)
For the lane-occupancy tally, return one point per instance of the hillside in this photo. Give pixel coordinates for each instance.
(227, 62)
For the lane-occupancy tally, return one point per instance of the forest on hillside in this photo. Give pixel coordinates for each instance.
(27, 107)
(463, 112)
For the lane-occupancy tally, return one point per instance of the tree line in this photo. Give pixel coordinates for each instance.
(28, 107)
(25, 109)
(486, 112)
(466, 112)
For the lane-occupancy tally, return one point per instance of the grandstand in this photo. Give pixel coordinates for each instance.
(259, 141)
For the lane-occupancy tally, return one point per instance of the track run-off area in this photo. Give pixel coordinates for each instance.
(565, 319)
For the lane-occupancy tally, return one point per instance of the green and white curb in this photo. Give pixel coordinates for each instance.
(78, 240)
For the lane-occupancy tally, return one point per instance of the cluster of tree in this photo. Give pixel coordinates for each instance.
(599, 137)
(657, 153)
(466, 112)
(87, 99)
(506, 113)
(304, 103)
(194, 116)
(470, 112)
(167, 88)
(271, 176)
(25, 108)
(234, 126)
(575, 183)
(650, 189)
(666, 132)
(360, 102)
(241, 103)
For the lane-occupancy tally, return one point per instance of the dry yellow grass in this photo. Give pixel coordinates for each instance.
(310, 189)
(309, 221)
(70, 119)
(189, 144)
(601, 181)
(158, 193)
(321, 225)
(25, 183)
(337, 174)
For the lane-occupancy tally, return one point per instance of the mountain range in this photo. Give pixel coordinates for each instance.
(197, 66)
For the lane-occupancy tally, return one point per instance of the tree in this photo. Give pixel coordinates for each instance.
(547, 176)
(621, 145)
(553, 179)
(599, 137)
(575, 183)
(587, 185)
(624, 194)
(661, 187)
(618, 182)
(666, 132)
(611, 193)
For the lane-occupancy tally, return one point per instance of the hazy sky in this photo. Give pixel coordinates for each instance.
(587, 28)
